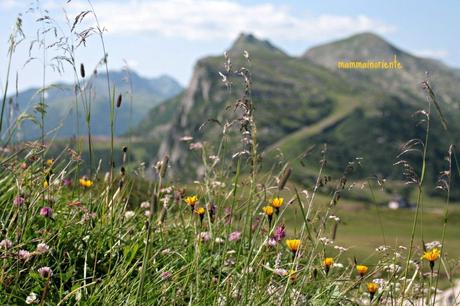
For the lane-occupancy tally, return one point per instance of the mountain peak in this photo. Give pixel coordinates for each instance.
(369, 40)
(359, 47)
(252, 44)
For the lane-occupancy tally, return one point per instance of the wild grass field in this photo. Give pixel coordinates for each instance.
(108, 221)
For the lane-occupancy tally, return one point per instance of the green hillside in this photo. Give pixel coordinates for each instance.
(304, 101)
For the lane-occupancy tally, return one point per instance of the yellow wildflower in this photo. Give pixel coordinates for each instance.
(268, 210)
(84, 182)
(293, 245)
(277, 202)
(200, 211)
(191, 200)
(432, 255)
(362, 269)
(372, 289)
(328, 261)
(292, 275)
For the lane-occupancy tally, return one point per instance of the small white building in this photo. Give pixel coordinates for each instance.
(399, 202)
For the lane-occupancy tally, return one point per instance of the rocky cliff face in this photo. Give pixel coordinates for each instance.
(182, 123)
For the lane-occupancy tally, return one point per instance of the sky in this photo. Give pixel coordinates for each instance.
(169, 36)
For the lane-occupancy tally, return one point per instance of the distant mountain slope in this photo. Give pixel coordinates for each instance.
(304, 101)
(403, 82)
(61, 108)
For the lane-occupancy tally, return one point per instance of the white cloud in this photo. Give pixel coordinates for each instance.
(8, 4)
(132, 63)
(438, 54)
(224, 19)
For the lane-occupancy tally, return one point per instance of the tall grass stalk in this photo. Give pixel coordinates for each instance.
(419, 204)
(15, 38)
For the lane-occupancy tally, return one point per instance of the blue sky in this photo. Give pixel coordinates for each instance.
(169, 36)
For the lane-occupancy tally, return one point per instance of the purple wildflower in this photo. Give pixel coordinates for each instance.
(46, 212)
(67, 182)
(24, 255)
(204, 236)
(6, 244)
(165, 275)
(279, 233)
(42, 248)
(280, 272)
(18, 201)
(271, 242)
(234, 236)
(45, 272)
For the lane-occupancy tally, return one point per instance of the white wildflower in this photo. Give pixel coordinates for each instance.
(42, 248)
(433, 244)
(6, 244)
(340, 248)
(280, 272)
(145, 205)
(24, 254)
(335, 218)
(219, 240)
(392, 268)
(196, 146)
(32, 298)
(186, 138)
(325, 241)
(129, 214)
(337, 265)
